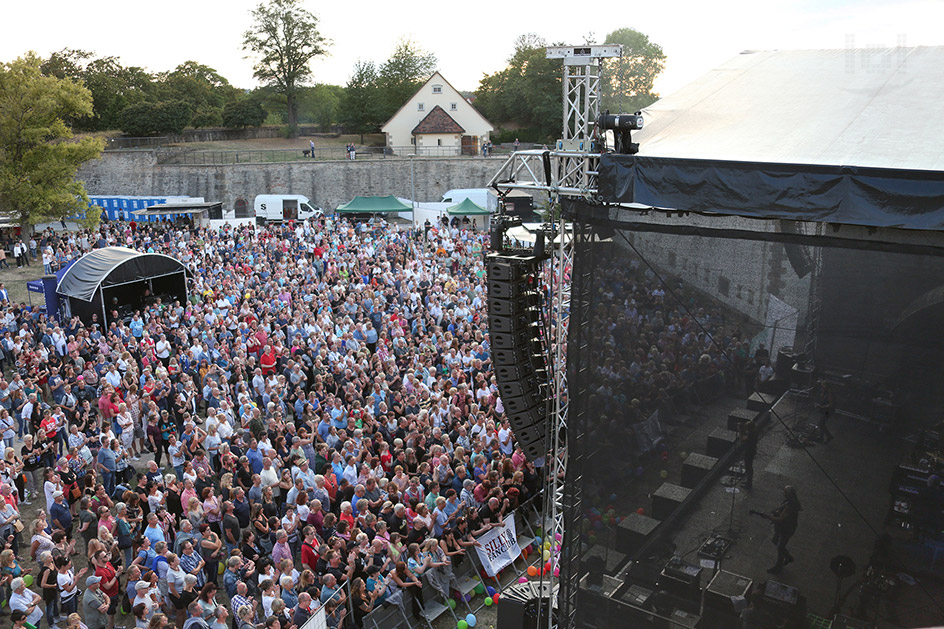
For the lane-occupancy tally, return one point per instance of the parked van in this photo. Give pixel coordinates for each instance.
(484, 197)
(274, 208)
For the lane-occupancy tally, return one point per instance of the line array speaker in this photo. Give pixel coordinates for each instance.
(518, 347)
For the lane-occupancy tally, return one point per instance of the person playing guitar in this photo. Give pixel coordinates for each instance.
(785, 519)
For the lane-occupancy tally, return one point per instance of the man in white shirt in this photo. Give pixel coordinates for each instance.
(504, 438)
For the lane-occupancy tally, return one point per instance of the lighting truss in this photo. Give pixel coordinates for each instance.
(568, 170)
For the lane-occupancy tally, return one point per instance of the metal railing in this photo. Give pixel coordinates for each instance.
(303, 153)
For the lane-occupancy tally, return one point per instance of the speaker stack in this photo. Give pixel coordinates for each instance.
(518, 347)
(527, 605)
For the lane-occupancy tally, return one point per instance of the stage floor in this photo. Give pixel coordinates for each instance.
(860, 461)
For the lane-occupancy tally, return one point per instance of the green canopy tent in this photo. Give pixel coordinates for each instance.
(374, 205)
(467, 208)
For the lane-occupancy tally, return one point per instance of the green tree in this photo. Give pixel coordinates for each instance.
(284, 38)
(527, 93)
(112, 85)
(321, 104)
(360, 110)
(401, 75)
(150, 118)
(38, 156)
(202, 87)
(628, 80)
(245, 112)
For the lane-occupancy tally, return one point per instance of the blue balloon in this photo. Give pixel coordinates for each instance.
(490, 590)
(537, 540)
(471, 620)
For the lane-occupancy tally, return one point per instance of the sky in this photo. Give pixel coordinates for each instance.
(471, 39)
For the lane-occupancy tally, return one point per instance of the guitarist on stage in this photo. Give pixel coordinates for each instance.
(784, 518)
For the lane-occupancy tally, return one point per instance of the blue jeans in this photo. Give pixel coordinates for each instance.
(108, 480)
(52, 611)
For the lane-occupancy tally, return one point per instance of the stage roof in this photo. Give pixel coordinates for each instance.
(881, 108)
(111, 266)
(845, 136)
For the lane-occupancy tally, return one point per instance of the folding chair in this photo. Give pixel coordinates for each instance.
(386, 617)
(433, 605)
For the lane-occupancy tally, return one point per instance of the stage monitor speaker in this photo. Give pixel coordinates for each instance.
(521, 605)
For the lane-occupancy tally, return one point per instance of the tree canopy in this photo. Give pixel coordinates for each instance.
(120, 94)
(284, 38)
(39, 157)
(401, 75)
(526, 95)
(374, 94)
(629, 78)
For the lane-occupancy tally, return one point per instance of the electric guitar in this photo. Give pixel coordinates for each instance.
(766, 516)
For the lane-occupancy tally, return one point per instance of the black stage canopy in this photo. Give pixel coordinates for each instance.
(872, 197)
(113, 266)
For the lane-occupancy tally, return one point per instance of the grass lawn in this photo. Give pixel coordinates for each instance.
(15, 281)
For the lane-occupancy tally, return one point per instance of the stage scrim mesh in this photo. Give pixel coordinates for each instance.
(681, 334)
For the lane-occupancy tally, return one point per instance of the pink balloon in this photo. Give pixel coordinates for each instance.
(556, 572)
(522, 579)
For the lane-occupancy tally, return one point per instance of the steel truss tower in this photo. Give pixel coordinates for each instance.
(569, 170)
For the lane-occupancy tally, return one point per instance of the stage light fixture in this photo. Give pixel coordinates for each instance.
(622, 126)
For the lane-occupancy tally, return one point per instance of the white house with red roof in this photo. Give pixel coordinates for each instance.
(437, 121)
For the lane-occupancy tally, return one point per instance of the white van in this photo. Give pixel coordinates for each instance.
(484, 197)
(274, 208)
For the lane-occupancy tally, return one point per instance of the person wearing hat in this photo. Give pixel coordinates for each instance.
(95, 603)
(59, 514)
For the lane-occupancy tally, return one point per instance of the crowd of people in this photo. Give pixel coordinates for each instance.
(317, 425)
(661, 345)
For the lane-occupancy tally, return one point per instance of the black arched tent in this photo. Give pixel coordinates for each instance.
(118, 279)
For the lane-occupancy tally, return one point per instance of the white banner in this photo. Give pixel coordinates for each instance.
(499, 547)
(318, 620)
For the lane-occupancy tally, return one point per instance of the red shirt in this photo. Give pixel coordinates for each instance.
(309, 556)
(49, 425)
(267, 362)
(107, 573)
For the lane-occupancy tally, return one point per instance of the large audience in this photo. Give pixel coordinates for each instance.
(317, 425)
